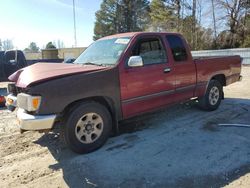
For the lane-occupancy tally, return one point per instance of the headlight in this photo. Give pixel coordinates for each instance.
(28, 102)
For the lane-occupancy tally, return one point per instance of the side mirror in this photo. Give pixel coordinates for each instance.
(13, 62)
(135, 61)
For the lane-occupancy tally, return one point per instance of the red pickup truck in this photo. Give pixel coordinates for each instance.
(115, 78)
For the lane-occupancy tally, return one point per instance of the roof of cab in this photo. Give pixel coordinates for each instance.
(132, 34)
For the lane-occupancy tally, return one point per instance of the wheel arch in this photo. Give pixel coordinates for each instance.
(220, 78)
(105, 101)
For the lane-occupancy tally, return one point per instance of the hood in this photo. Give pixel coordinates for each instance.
(46, 71)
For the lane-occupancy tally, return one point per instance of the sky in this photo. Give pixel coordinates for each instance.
(42, 21)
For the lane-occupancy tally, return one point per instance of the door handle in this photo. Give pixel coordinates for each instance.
(166, 70)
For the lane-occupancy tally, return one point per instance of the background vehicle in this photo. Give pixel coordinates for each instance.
(69, 60)
(13, 60)
(116, 78)
(10, 62)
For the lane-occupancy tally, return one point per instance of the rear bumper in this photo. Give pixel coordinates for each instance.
(35, 122)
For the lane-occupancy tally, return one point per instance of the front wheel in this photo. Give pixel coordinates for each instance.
(212, 98)
(87, 127)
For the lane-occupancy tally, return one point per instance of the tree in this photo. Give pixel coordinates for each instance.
(176, 5)
(234, 11)
(246, 43)
(162, 16)
(32, 48)
(117, 16)
(244, 32)
(7, 44)
(106, 19)
(134, 15)
(229, 20)
(186, 30)
(59, 44)
(50, 45)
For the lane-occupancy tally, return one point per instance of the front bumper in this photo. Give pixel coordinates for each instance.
(34, 122)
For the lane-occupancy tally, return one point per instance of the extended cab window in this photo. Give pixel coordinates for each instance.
(151, 50)
(177, 47)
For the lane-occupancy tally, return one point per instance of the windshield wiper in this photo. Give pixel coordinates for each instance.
(89, 63)
(102, 65)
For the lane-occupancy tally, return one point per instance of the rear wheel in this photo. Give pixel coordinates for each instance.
(87, 127)
(212, 99)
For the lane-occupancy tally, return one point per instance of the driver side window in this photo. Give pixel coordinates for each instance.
(151, 51)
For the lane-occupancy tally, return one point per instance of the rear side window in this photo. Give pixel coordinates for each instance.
(151, 50)
(177, 47)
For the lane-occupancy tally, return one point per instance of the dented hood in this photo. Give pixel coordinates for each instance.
(46, 71)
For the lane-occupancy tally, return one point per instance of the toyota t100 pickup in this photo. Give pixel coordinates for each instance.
(115, 78)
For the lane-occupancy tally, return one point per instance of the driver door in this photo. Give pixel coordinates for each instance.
(151, 85)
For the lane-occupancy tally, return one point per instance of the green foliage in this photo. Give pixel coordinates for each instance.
(117, 16)
(245, 33)
(32, 48)
(246, 43)
(50, 45)
(106, 19)
(162, 16)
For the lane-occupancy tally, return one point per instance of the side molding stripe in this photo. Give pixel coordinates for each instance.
(140, 98)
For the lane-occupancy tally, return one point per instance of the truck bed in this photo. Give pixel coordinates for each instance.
(227, 67)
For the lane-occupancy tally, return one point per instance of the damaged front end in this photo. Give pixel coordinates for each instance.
(27, 105)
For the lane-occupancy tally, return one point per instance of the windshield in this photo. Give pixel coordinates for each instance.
(103, 52)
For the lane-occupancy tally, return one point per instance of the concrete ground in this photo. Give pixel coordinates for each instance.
(181, 146)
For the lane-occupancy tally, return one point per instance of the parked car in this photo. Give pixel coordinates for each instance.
(69, 60)
(13, 60)
(115, 78)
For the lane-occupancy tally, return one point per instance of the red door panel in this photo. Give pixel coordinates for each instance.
(150, 86)
(185, 80)
(145, 88)
(184, 67)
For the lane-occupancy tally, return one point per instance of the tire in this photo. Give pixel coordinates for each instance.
(87, 127)
(212, 98)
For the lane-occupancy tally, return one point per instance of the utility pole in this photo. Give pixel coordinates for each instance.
(74, 14)
(215, 32)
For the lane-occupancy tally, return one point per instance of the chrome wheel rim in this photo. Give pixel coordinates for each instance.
(89, 128)
(214, 95)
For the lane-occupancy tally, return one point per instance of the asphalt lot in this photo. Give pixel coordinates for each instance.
(181, 146)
